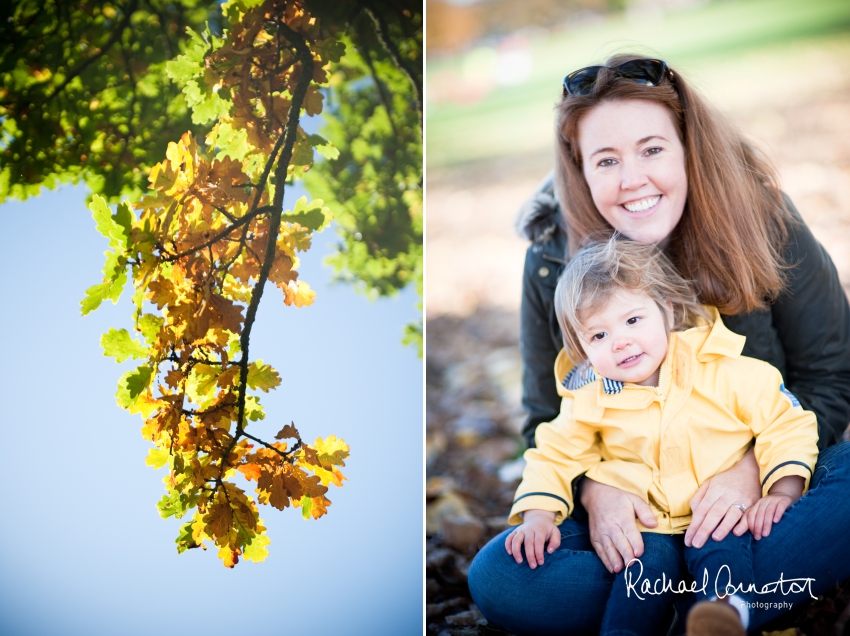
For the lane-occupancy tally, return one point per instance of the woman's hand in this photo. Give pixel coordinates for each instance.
(613, 532)
(537, 527)
(712, 505)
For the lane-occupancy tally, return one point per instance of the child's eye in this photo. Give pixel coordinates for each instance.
(632, 320)
(598, 336)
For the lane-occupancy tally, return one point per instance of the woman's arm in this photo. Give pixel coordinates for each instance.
(812, 320)
(539, 393)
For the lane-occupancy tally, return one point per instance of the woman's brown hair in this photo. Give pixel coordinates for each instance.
(730, 238)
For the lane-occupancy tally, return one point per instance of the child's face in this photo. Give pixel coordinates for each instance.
(627, 339)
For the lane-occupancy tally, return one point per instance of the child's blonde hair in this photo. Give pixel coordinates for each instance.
(599, 270)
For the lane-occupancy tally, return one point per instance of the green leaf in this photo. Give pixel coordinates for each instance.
(306, 506)
(132, 384)
(302, 154)
(157, 458)
(262, 376)
(175, 504)
(201, 382)
(325, 148)
(253, 409)
(124, 217)
(232, 142)
(150, 325)
(255, 549)
(182, 69)
(117, 232)
(114, 279)
(312, 216)
(331, 50)
(118, 344)
(94, 296)
(185, 540)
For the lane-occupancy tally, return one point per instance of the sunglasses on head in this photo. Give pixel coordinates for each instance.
(643, 71)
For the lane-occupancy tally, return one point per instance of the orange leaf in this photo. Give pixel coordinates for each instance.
(251, 471)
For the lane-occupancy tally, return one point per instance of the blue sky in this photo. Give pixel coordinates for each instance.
(86, 552)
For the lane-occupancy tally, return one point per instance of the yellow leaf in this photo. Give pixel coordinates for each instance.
(228, 556)
(255, 549)
(297, 293)
(331, 451)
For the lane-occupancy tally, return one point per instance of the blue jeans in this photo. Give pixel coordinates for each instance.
(569, 592)
(643, 594)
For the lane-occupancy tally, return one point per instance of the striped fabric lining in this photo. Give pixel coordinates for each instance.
(584, 374)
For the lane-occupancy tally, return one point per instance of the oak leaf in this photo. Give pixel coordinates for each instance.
(255, 549)
(262, 376)
(288, 431)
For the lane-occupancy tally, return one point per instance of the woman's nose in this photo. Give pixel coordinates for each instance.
(631, 176)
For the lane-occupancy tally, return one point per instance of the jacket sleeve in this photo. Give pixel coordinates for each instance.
(539, 391)
(812, 320)
(565, 449)
(786, 434)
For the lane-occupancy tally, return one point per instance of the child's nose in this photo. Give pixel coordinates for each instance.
(621, 342)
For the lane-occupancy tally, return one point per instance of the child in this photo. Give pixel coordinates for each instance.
(655, 409)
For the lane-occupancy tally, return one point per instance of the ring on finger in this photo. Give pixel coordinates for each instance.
(739, 506)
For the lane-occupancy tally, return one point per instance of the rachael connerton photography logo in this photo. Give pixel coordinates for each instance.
(723, 585)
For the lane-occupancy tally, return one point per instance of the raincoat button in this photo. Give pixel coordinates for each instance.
(543, 272)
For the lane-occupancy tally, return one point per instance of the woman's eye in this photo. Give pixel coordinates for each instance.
(605, 163)
(632, 320)
(653, 151)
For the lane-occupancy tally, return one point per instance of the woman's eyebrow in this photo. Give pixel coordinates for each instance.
(640, 142)
(645, 139)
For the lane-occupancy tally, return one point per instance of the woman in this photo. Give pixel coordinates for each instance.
(641, 153)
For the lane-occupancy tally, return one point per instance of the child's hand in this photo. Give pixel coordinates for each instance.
(538, 526)
(761, 517)
(769, 510)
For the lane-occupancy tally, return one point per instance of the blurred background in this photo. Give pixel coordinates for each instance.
(780, 69)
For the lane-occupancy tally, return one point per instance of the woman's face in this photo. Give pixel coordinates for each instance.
(634, 164)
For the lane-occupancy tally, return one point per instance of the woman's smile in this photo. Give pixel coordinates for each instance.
(647, 204)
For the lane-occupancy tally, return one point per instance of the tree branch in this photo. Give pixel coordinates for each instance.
(220, 235)
(284, 454)
(288, 142)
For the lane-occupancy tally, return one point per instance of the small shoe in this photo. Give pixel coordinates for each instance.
(714, 618)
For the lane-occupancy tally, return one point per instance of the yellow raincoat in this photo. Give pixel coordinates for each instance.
(661, 443)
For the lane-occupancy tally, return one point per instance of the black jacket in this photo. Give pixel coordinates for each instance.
(805, 333)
